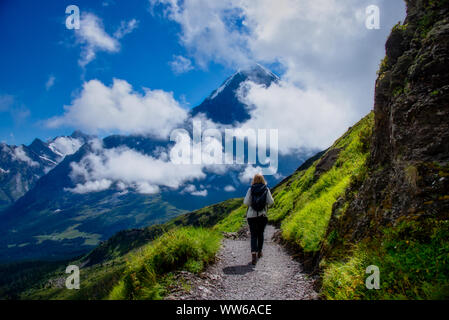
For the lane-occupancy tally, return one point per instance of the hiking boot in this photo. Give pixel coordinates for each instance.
(254, 258)
(259, 254)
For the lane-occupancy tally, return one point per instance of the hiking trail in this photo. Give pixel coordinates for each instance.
(276, 276)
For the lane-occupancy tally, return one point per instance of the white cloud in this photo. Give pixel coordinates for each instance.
(100, 108)
(248, 174)
(202, 193)
(208, 29)
(326, 53)
(125, 28)
(250, 171)
(236, 32)
(130, 169)
(94, 38)
(229, 188)
(305, 119)
(20, 155)
(191, 189)
(180, 64)
(126, 169)
(146, 188)
(91, 186)
(50, 82)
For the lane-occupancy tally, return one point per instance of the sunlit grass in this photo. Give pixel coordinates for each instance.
(187, 249)
(307, 226)
(233, 221)
(304, 206)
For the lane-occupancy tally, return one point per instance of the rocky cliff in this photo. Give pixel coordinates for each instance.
(403, 198)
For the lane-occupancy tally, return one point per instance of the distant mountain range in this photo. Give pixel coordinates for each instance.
(21, 166)
(44, 220)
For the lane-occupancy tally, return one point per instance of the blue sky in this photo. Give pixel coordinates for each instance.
(37, 45)
(322, 49)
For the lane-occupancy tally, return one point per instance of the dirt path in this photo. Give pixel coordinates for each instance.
(276, 275)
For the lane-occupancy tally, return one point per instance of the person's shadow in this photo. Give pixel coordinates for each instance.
(242, 269)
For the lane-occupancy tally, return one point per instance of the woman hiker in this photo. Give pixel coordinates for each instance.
(258, 198)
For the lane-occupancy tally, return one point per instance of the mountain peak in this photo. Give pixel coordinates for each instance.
(38, 143)
(257, 72)
(223, 106)
(78, 134)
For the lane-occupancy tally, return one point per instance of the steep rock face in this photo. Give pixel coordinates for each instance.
(408, 169)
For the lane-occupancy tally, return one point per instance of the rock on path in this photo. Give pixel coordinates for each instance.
(276, 276)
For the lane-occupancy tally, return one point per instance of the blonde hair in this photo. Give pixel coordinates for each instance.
(258, 178)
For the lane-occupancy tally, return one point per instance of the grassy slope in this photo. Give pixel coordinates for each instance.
(148, 270)
(109, 266)
(303, 203)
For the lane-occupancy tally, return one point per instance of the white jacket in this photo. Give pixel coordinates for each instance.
(251, 213)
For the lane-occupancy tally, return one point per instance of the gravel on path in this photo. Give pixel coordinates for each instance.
(276, 276)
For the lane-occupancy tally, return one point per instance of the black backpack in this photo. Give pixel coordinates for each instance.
(259, 196)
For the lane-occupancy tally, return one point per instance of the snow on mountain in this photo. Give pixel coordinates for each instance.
(222, 87)
(4, 171)
(21, 166)
(223, 106)
(64, 146)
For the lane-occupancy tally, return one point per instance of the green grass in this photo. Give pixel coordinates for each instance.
(413, 259)
(147, 270)
(303, 205)
(307, 226)
(233, 221)
(206, 217)
(344, 280)
(286, 198)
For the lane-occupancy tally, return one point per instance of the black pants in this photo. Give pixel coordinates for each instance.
(257, 227)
